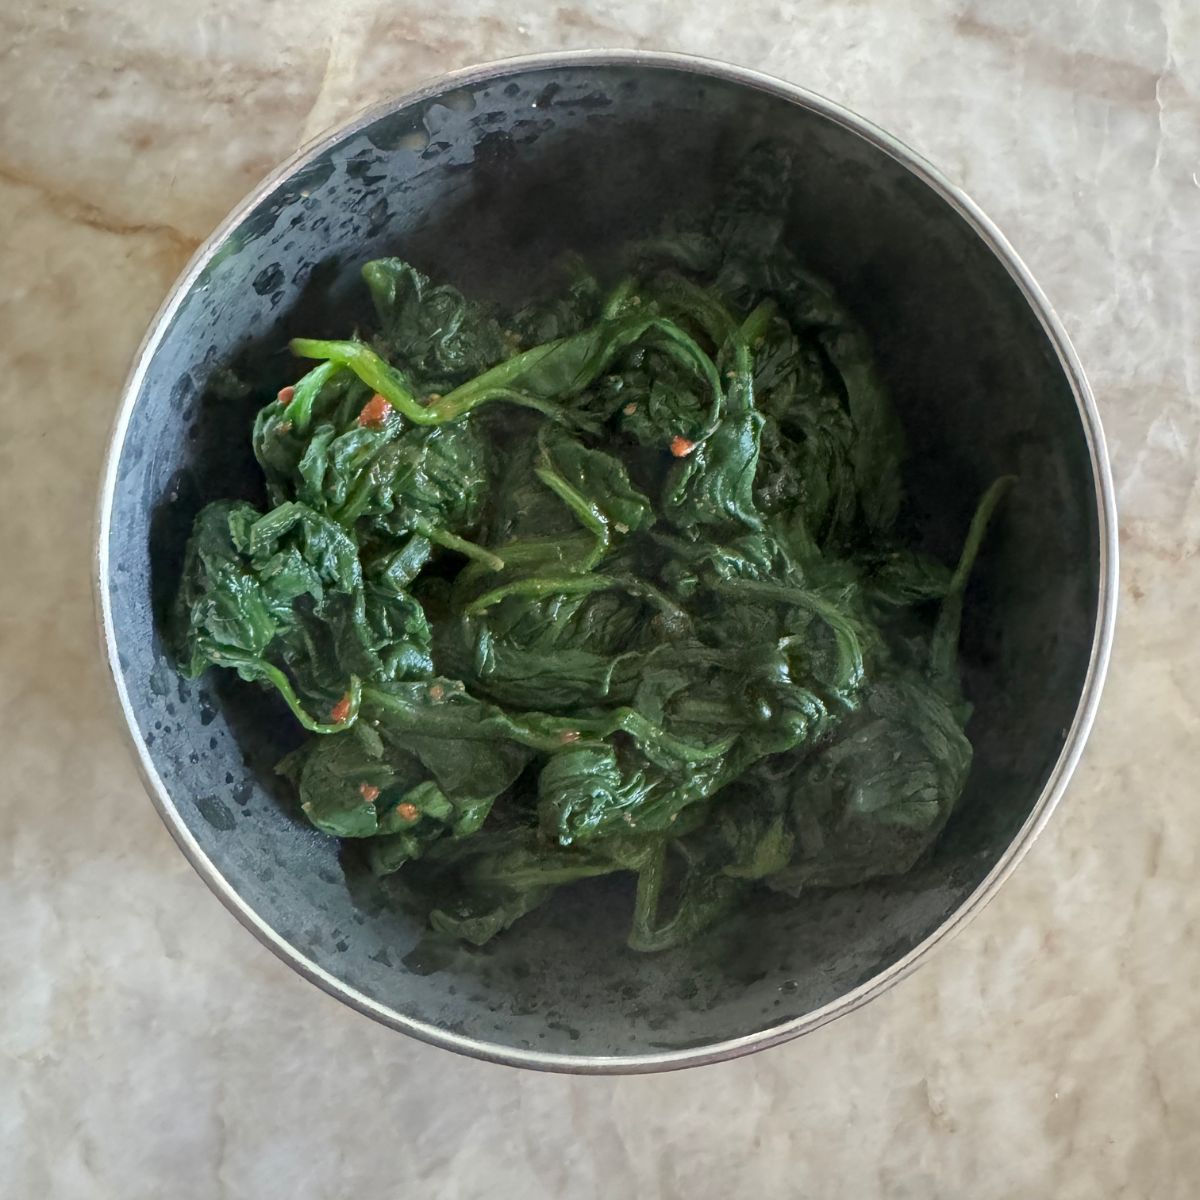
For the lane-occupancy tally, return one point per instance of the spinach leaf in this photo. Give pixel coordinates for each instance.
(874, 802)
(431, 329)
(564, 314)
(713, 483)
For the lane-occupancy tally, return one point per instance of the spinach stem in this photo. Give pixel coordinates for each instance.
(378, 375)
(541, 585)
(450, 541)
(588, 515)
(943, 648)
(259, 668)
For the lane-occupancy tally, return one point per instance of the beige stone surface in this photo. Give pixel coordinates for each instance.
(149, 1047)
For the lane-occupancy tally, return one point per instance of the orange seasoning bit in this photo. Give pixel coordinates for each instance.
(408, 812)
(568, 736)
(369, 792)
(340, 712)
(681, 447)
(285, 395)
(437, 693)
(374, 413)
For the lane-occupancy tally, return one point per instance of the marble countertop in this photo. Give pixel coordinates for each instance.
(149, 1047)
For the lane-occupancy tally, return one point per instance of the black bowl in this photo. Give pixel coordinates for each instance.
(483, 179)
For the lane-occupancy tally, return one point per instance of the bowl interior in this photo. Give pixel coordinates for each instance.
(485, 186)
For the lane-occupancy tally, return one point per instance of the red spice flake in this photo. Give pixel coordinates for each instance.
(340, 712)
(568, 736)
(630, 408)
(369, 792)
(285, 396)
(437, 693)
(408, 812)
(374, 413)
(681, 447)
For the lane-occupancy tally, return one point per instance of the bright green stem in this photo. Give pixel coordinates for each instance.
(378, 375)
(499, 381)
(389, 383)
(541, 585)
(588, 515)
(299, 411)
(450, 541)
(546, 407)
(261, 669)
(284, 686)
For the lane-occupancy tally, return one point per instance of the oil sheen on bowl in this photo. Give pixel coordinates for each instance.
(484, 179)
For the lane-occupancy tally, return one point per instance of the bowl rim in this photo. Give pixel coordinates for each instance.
(1106, 601)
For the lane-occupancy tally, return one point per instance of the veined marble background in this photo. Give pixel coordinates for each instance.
(150, 1048)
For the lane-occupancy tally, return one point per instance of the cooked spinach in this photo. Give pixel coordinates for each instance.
(611, 587)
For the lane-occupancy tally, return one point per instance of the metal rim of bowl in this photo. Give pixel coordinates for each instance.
(1093, 680)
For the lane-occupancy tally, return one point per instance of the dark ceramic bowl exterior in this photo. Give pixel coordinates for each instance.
(483, 178)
